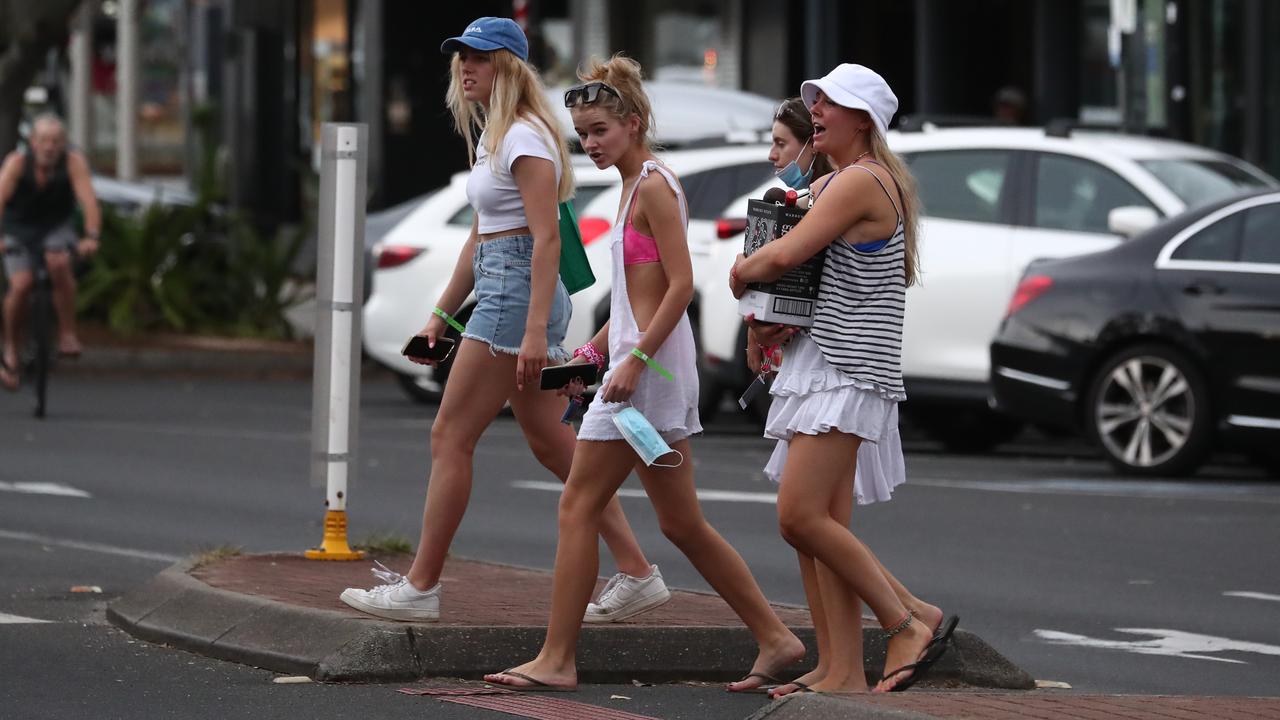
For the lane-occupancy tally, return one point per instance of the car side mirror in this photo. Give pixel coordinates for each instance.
(1131, 220)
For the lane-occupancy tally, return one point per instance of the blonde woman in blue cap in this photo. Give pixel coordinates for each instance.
(835, 399)
(520, 172)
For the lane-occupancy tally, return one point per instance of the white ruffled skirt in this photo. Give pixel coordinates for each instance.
(811, 397)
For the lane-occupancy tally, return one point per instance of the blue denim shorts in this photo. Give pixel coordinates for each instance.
(503, 270)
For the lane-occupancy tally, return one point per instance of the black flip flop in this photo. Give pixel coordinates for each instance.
(536, 686)
(802, 689)
(762, 687)
(936, 648)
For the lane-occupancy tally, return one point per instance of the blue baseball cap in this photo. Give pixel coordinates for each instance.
(491, 33)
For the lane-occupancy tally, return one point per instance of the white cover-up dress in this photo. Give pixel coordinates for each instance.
(671, 406)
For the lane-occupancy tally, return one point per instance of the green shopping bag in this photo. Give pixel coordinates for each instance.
(575, 271)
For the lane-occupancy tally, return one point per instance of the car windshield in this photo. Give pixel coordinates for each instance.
(1201, 182)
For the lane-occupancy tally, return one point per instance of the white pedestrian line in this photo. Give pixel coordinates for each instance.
(19, 620)
(706, 495)
(1109, 487)
(1252, 595)
(89, 546)
(1172, 643)
(43, 488)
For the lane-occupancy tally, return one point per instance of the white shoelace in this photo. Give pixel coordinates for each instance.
(611, 587)
(391, 577)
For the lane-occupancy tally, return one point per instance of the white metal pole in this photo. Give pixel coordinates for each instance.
(81, 100)
(127, 24)
(335, 402)
(340, 309)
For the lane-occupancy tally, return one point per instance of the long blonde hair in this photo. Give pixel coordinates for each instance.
(517, 94)
(624, 75)
(908, 194)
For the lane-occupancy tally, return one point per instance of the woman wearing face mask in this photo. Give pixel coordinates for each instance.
(834, 411)
(829, 604)
(648, 402)
(520, 172)
(794, 160)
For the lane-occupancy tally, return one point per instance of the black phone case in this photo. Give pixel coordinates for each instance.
(555, 377)
(419, 347)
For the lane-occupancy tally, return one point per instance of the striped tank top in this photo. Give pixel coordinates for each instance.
(861, 300)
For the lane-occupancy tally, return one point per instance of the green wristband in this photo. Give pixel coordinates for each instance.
(652, 363)
(449, 319)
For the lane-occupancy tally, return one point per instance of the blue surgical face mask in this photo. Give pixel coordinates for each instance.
(791, 174)
(640, 435)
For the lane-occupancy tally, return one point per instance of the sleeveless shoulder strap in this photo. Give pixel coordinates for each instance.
(671, 180)
(878, 182)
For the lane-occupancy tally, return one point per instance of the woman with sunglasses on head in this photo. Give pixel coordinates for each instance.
(520, 172)
(648, 401)
(836, 612)
(835, 406)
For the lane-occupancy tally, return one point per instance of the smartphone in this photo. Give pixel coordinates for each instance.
(555, 377)
(419, 347)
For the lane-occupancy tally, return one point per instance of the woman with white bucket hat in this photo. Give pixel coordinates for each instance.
(835, 406)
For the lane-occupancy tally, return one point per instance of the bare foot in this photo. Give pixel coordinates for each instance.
(8, 376)
(930, 615)
(855, 683)
(69, 346)
(774, 657)
(800, 684)
(536, 675)
(905, 648)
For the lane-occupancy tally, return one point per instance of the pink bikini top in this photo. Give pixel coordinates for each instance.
(637, 248)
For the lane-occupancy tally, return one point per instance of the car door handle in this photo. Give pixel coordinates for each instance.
(1203, 287)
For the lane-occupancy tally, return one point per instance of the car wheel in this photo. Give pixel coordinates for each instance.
(429, 388)
(965, 431)
(1148, 409)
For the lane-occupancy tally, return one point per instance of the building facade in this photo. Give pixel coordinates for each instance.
(1198, 70)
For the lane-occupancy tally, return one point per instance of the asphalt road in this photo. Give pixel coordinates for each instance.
(1110, 585)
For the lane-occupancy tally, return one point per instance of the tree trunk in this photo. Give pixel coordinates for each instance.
(27, 31)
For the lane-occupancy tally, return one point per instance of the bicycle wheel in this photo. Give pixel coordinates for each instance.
(42, 335)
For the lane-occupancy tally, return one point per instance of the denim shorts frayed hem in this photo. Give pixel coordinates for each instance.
(555, 355)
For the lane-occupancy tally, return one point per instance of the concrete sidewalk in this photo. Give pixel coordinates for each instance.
(282, 613)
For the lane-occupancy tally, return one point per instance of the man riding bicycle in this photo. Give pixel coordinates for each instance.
(39, 189)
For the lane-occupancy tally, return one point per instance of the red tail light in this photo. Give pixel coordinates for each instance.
(592, 228)
(728, 227)
(1029, 289)
(392, 255)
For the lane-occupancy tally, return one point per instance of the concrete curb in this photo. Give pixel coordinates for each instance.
(177, 609)
(811, 706)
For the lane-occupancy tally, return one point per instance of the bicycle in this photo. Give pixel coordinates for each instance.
(42, 325)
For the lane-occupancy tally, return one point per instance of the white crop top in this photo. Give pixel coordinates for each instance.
(492, 190)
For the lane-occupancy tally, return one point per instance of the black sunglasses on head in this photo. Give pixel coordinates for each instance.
(587, 94)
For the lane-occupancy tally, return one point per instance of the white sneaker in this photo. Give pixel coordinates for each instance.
(397, 600)
(625, 596)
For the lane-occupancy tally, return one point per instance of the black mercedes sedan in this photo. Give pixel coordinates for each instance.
(1160, 348)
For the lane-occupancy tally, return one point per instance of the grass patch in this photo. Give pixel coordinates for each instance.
(385, 544)
(209, 555)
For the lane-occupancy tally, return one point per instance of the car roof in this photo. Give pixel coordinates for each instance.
(1115, 144)
(685, 112)
(1174, 225)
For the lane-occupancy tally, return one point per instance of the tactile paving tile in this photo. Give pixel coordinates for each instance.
(541, 707)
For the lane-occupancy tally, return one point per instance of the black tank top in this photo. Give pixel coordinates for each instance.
(35, 209)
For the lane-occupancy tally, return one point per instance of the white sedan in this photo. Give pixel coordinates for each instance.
(993, 200)
(414, 260)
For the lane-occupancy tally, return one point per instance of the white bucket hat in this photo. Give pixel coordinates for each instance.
(857, 87)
